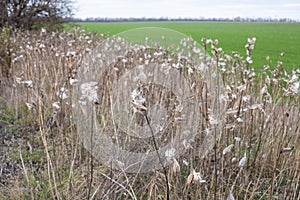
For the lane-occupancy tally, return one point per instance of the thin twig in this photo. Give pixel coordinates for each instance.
(91, 158)
(160, 160)
(26, 174)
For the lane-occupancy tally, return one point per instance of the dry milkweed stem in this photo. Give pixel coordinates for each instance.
(160, 160)
(91, 161)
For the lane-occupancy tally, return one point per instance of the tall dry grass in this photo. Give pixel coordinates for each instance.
(257, 156)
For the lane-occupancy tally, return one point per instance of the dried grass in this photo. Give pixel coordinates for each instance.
(262, 118)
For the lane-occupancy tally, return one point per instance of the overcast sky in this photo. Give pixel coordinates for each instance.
(188, 8)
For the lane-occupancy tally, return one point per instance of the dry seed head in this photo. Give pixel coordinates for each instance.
(27, 83)
(243, 161)
(63, 93)
(31, 105)
(293, 79)
(19, 79)
(56, 105)
(287, 149)
(241, 88)
(89, 90)
(240, 120)
(176, 166)
(230, 196)
(195, 177)
(138, 100)
(170, 153)
(230, 126)
(249, 60)
(246, 98)
(216, 42)
(295, 88)
(264, 90)
(227, 149)
(73, 81)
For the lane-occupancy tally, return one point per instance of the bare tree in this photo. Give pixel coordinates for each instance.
(29, 14)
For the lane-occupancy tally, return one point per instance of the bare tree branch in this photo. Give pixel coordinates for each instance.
(28, 14)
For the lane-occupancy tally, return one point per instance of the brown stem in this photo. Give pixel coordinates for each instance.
(160, 160)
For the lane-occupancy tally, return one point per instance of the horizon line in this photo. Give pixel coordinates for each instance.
(233, 19)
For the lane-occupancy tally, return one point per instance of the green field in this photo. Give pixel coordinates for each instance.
(272, 38)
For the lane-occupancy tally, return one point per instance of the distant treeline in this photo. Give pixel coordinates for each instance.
(132, 19)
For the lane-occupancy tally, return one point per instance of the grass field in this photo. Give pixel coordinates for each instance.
(272, 38)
